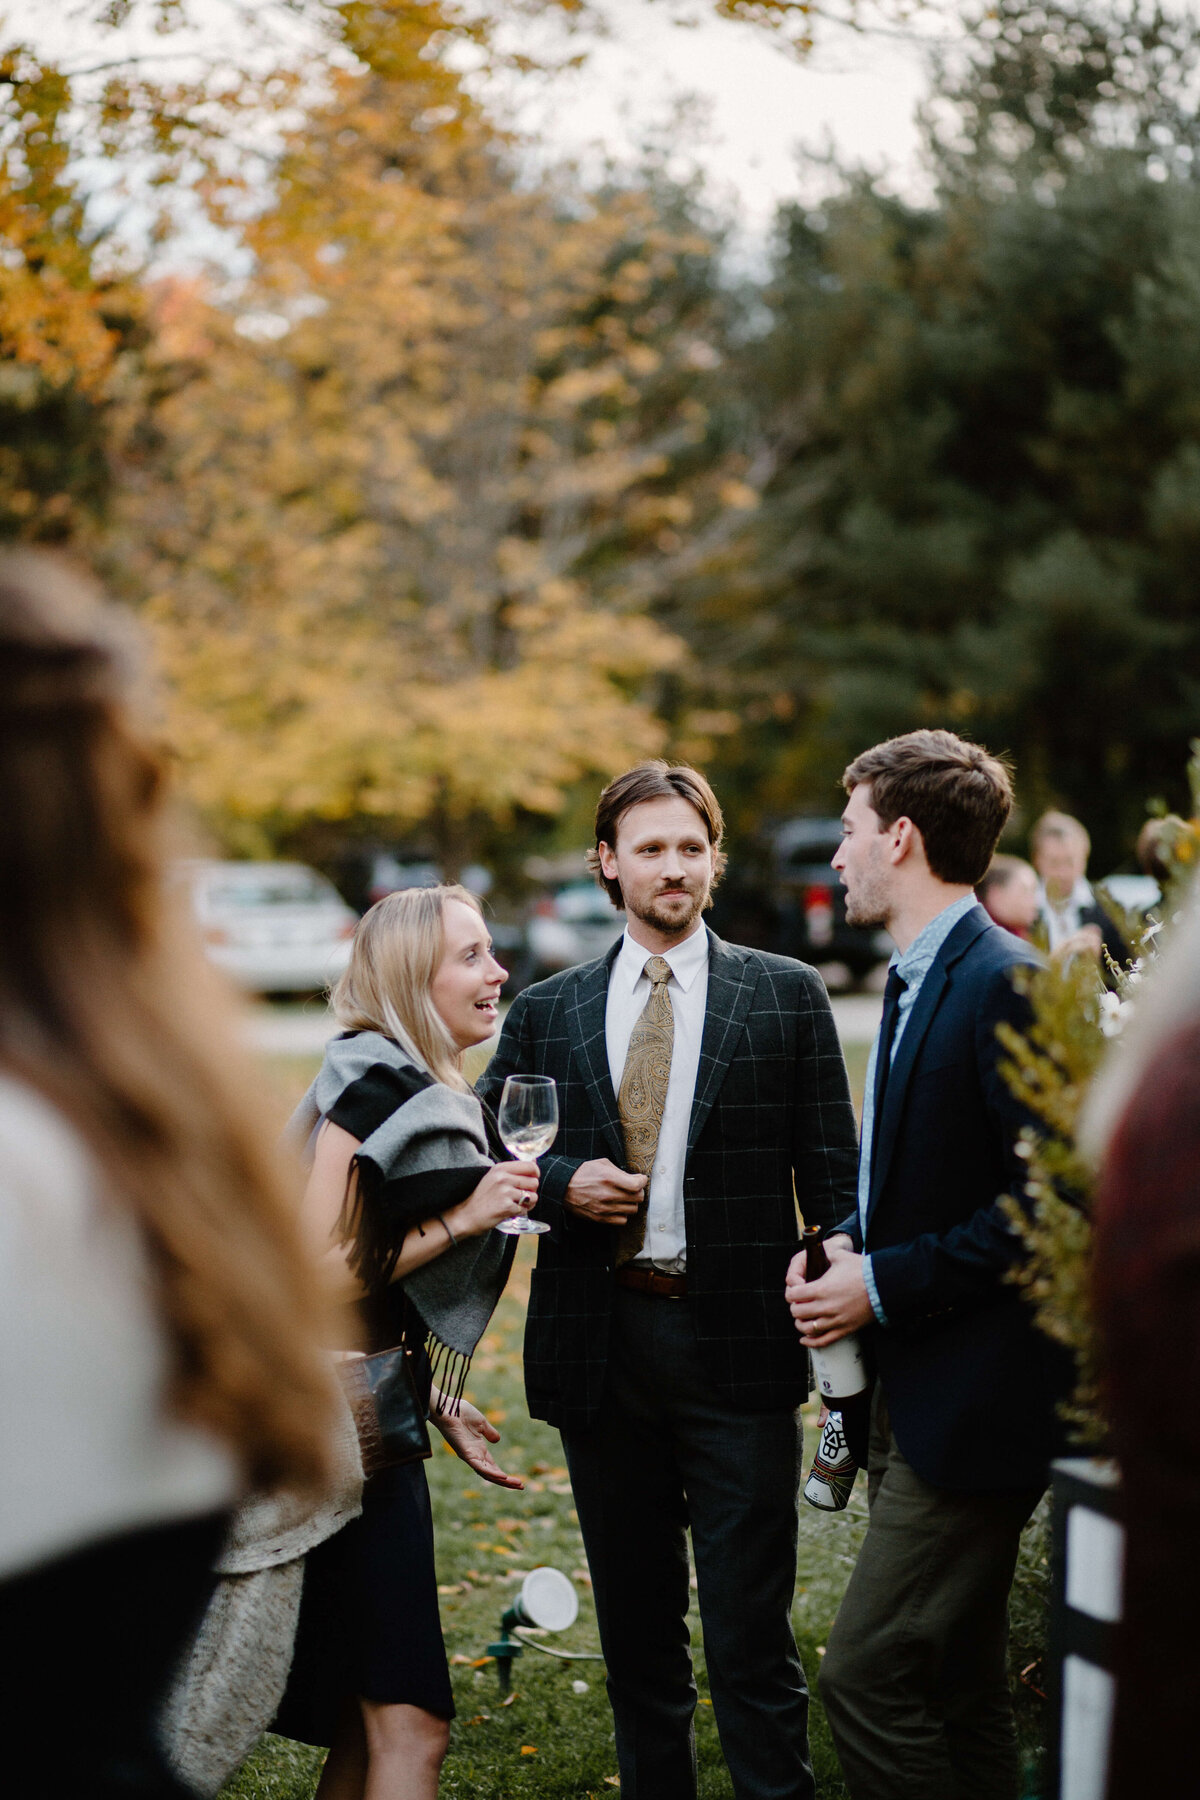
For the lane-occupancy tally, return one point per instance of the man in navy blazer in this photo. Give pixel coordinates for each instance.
(964, 1415)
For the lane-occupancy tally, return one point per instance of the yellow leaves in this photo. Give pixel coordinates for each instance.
(739, 495)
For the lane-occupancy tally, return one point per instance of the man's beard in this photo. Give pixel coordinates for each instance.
(868, 907)
(653, 912)
(869, 918)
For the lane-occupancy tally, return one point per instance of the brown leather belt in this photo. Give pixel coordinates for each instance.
(651, 1281)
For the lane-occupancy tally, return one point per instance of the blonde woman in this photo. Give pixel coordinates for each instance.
(159, 1341)
(408, 1181)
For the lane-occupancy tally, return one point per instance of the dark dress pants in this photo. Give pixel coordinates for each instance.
(667, 1452)
(915, 1679)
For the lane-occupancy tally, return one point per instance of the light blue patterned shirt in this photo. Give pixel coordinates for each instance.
(912, 968)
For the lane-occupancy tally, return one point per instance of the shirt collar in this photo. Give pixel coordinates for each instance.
(686, 959)
(1081, 895)
(921, 953)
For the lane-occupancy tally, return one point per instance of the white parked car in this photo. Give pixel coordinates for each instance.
(273, 927)
(572, 926)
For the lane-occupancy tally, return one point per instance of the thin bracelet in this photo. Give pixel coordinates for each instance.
(448, 1231)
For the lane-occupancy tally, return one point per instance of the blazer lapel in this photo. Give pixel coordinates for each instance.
(731, 985)
(916, 1026)
(586, 1021)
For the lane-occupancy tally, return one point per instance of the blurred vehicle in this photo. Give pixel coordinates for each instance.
(387, 875)
(275, 928)
(810, 901)
(573, 925)
(1135, 893)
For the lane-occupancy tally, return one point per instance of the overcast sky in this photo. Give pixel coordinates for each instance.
(757, 104)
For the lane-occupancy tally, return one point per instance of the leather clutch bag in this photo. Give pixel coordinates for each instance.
(387, 1409)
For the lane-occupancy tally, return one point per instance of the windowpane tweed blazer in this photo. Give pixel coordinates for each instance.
(771, 1127)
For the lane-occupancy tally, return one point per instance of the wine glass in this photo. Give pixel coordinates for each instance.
(528, 1121)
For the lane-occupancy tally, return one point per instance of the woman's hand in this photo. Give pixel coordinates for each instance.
(468, 1434)
(507, 1190)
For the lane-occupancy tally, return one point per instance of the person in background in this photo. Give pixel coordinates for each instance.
(1009, 892)
(1074, 920)
(159, 1317)
(408, 1180)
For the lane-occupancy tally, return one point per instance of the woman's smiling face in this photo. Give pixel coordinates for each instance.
(466, 986)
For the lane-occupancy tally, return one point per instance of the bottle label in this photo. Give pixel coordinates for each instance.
(839, 1369)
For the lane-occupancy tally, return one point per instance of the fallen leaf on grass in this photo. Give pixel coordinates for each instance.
(560, 1487)
(480, 1719)
(509, 1698)
(613, 1780)
(705, 1702)
(528, 1749)
(453, 1587)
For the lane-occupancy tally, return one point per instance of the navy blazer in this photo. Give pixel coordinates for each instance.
(972, 1386)
(771, 1125)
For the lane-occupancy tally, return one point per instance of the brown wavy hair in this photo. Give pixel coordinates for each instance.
(956, 793)
(655, 780)
(108, 1010)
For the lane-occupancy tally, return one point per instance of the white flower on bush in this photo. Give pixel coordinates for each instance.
(1112, 1014)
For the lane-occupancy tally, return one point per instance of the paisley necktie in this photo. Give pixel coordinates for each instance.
(643, 1094)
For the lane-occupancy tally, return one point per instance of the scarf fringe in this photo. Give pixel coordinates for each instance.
(449, 1370)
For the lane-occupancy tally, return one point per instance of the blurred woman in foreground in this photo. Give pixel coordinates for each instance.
(158, 1349)
(408, 1181)
(1143, 1119)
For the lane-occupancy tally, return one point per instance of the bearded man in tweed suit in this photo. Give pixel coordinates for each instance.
(702, 1097)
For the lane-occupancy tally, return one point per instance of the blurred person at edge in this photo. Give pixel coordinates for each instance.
(158, 1316)
(408, 1180)
(1073, 918)
(1142, 1123)
(1009, 893)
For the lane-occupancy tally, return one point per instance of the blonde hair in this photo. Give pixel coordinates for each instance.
(398, 949)
(108, 1009)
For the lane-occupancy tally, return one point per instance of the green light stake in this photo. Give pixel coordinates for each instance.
(548, 1601)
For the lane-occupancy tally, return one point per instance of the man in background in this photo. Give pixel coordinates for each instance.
(1073, 918)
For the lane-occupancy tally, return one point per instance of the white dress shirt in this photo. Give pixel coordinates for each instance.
(1062, 917)
(628, 992)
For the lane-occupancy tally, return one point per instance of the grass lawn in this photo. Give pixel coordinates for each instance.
(546, 1741)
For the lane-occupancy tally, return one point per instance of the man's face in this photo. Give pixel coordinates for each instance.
(862, 863)
(664, 863)
(1060, 861)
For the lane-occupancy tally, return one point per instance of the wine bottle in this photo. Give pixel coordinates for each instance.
(839, 1369)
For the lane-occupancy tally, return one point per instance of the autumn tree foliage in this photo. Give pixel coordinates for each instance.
(67, 316)
(385, 508)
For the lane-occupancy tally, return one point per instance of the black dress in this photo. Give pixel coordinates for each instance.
(369, 1623)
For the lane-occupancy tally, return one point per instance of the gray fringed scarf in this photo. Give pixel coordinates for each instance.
(425, 1147)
